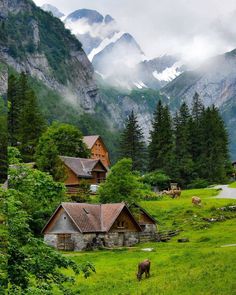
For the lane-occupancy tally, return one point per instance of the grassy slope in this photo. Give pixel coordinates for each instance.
(233, 185)
(201, 266)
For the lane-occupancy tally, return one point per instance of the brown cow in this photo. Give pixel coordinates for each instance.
(196, 201)
(174, 193)
(144, 267)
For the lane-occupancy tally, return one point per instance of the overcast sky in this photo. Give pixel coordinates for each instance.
(194, 28)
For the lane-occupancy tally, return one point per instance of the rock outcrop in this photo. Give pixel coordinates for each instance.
(66, 70)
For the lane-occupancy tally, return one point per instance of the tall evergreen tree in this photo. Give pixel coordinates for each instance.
(196, 132)
(183, 157)
(132, 143)
(3, 141)
(161, 145)
(14, 110)
(197, 107)
(25, 122)
(214, 157)
(31, 126)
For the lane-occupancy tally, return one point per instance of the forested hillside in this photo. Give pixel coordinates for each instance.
(62, 76)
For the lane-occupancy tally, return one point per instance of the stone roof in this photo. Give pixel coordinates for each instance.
(90, 140)
(93, 217)
(82, 167)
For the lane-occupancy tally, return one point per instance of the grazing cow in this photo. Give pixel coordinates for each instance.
(196, 201)
(174, 193)
(144, 267)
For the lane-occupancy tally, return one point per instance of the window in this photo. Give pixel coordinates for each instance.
(121, 224)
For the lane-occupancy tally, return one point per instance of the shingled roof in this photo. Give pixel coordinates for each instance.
(90, 140)
(82, 167)
(93, 217)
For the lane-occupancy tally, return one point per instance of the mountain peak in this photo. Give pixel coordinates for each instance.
(108, 19)
(54, 10)
(92, 16)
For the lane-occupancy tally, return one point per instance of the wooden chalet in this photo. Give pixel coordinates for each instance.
(78, 226)
(94, 171)
(97, 148)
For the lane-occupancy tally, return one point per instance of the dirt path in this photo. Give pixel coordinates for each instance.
(226, 192)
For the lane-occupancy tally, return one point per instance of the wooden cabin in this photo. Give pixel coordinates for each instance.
(77, 169)
(97, 148)
(78, 226)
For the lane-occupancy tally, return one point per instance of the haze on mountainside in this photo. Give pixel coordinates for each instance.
(193, 29)
(215, 80)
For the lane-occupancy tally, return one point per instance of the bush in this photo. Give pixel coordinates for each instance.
(198, 183)
(157, 179)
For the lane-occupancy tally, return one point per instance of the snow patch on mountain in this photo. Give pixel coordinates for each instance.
(104, 44)
(140, 85)
(169, 73)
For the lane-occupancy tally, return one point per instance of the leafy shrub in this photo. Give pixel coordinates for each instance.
(198, 183)
(157, 179)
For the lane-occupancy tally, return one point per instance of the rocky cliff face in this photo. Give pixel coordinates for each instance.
(215, 81)
(3, 79)
(39, 44)
(45, 50)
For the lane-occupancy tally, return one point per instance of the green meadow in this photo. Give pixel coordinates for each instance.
(233, 185)
(204, 265)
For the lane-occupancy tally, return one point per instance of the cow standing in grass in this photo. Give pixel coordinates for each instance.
(144, 267)
(196, 201)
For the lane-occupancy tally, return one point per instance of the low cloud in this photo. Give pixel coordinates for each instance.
(194, 29)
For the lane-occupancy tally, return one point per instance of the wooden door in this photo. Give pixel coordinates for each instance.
(64, 242)
(121, 239)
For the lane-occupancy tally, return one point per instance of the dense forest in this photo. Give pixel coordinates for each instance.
(180, 145)
(191, 148)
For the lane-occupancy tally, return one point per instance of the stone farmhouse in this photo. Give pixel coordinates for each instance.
(80, 226)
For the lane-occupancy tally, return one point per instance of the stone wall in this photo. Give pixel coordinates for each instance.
(51, 240)
(149, 233)
(110, 240)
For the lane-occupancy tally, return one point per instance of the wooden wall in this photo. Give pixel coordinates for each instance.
(144, 219)
(124, 223)
(71, 179)
(99, 151)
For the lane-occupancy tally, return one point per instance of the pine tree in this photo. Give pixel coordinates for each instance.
(31, 126)
(197, 107)
(183, 157)
(214, 158)
(196, 132)
(3, 141)
(25, 122)
(161, 145)
(14, 110)
(132, 143)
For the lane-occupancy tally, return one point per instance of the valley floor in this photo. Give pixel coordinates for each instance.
(203, 266)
